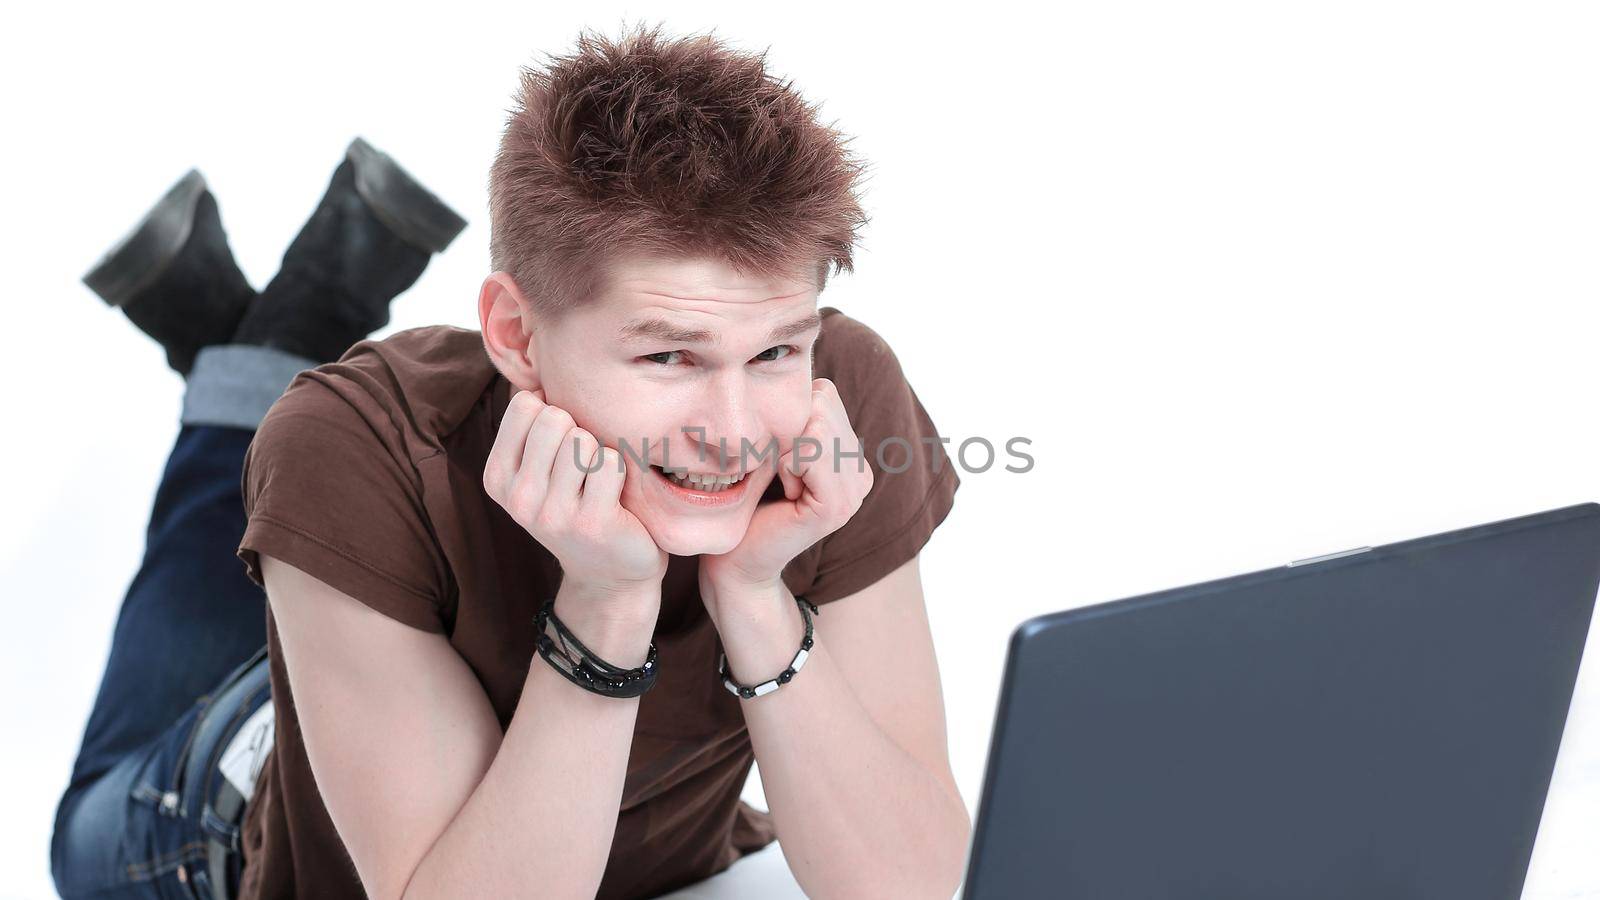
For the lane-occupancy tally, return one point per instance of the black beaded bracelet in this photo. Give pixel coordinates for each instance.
(589, 671)
(749, 692)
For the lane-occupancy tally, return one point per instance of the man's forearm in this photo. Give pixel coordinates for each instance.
(546, 810)
(857, 816)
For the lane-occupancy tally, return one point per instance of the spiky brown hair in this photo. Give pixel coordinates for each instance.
(675, 146)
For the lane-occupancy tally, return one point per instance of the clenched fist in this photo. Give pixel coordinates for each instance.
(563, 487)
(820, 494)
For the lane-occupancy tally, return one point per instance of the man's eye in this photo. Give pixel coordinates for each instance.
(789, 352)
(664, 357)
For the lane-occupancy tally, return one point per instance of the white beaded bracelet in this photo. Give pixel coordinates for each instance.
(767, 687)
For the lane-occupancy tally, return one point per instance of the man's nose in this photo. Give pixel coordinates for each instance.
(728, 420)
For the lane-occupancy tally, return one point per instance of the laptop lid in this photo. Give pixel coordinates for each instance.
(1374, 723)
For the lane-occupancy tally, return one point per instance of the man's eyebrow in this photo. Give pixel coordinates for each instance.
(666, 332)
(796, 328)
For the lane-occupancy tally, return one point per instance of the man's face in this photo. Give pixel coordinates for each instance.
(702, 362)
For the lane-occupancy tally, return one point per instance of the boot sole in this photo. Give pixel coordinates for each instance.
(139, 258)
(400, 201)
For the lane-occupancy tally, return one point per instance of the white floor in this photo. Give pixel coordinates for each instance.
(763, 874)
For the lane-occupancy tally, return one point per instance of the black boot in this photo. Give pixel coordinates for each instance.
(368, 240)
(174, 276)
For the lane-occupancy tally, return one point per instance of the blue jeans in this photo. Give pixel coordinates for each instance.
(187, 663)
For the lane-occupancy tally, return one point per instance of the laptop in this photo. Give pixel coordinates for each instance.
(1375, 723)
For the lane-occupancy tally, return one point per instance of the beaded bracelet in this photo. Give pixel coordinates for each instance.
(589, 671)
(748, 692)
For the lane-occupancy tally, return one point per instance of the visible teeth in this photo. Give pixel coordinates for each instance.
(708, 483)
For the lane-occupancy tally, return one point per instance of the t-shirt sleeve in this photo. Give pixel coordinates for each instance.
(914, 481)
(329, 489)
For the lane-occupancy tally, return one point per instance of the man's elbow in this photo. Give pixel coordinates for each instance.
(934, 871)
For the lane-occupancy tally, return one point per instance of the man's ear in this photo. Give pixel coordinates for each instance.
(503, 317)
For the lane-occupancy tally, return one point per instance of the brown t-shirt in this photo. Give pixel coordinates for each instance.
(367, 474)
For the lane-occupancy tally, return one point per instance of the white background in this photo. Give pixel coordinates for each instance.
(1260, 281)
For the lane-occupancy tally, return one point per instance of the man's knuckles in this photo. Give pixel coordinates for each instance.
(554, 419)
(524, 407)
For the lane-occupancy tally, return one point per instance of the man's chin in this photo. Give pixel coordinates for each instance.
(690, 545)
(690, 534)
(692, 542)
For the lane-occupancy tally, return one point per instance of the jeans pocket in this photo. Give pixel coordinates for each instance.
(159, 781)
(173, 827)
(158, 844)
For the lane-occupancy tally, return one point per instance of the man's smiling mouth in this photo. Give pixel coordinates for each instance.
(694, 481)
